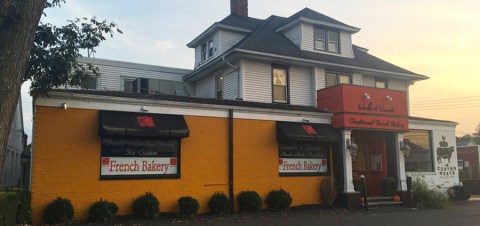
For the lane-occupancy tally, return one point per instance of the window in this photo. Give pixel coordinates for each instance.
(144, 85)
(302, 158)
(130, 85)
(207, 49)
(89, 83)
(326, 40)
(280, 84)
(219, 87)
(381, 83)
(332, 79)
(420, 158)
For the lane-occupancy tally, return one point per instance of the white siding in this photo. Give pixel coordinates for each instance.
(295, 34)
(258, 81)
(356, 79)
(397, 85)
(301, 86)
(230, 83)
(320, 78)
(368, 81)
(307, 42)
(205, 87)
(228, 39)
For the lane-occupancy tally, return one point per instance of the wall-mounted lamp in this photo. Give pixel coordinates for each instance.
(305, 120)
(366, 96)
(389, 98)
(352, 147)
(405, 149)
(64, 106)
(144, 108)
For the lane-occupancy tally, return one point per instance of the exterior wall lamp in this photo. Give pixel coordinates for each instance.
(352, 147)
(64, 106)
(405, 149)
(389, 98)
(366, 96)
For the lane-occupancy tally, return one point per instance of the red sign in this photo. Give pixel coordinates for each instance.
(145, 121)
(309, 130)
(370, 122)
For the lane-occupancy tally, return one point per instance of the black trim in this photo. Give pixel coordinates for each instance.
(294, 131)
(230, 160)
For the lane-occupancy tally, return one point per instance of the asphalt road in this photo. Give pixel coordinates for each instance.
(460, 213)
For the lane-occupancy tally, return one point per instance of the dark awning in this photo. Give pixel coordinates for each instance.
(295, 131)
(142, 125)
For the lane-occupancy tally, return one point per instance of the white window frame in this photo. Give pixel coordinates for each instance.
(326, 40)
(219, 90)
(337, 78)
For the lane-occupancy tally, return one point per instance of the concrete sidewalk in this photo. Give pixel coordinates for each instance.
(460, 213)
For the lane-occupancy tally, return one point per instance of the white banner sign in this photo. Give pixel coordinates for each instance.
(294, 165)
(138, 166)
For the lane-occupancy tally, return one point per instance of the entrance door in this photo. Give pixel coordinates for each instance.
(371, 160)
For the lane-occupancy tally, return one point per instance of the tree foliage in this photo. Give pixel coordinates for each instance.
(53, 58)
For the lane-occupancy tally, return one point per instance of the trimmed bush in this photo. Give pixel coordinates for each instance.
(278, 200)
(459, 193)
(188, 206)
(102, 211)
(59, 211)
(146, 207)
(8, 208)
(249, 201)
(219, 203)
(423, 196)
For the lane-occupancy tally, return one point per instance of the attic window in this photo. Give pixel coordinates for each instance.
(326, 40)
(207, 50)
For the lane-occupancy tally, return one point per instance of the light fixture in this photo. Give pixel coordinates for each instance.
(352, 147)
(366, 96)
(64, 106)
(389, 98)
(405, 149)
(305, 120)
(144, 108)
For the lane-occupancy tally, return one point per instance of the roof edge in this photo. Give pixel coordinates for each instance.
(214, 27)
(348, 28)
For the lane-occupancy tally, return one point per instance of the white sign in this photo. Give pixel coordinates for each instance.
(138, 166)
(294, 165)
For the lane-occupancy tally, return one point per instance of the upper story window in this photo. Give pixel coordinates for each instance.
(332, 79)
(326, 40)
(219, 87)
(90, 83)
(130, 85)
(280, 84)
(152, 86)
(379, 83)
(207, 50)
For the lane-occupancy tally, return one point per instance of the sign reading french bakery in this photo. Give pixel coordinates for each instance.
(308, 158)
(135, 158)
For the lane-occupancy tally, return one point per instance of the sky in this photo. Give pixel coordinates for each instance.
(437, 38)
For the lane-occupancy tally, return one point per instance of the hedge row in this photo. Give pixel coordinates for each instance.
(147, 206)
(14, 207)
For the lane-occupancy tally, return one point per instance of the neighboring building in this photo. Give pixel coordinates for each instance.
(13, 174)
(468, 159)
(270, 104)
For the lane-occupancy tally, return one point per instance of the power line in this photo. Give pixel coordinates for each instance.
(447, 104)
(444, 99)
(443, 108)
(451, 101)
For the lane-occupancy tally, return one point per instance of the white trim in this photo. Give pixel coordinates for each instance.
(95, 102)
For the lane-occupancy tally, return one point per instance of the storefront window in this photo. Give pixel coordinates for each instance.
(420, 158)
(135, 158)
(302, 158)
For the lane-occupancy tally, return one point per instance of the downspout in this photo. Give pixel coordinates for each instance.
(230, 160)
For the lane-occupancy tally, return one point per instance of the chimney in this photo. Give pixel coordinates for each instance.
(239, 7)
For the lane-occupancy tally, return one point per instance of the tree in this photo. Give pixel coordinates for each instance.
(477, 131)
(42, 53)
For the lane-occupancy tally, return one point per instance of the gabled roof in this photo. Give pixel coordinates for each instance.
(232, 22)
(266, 41)
(465, 142)
(314, 17)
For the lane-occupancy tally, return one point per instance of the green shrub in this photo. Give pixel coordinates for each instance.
(8, 208)
(219, 203)
(102, 211)
(188, 206)
(60, 210)
(146, 207)
(423, 196)
(249, 201)
(24, 209)
(459, 193)
(278, 200)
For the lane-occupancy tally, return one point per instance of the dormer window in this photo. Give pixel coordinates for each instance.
(207, 50)
(326, 40)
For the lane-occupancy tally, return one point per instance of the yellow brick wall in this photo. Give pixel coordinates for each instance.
(66, 163)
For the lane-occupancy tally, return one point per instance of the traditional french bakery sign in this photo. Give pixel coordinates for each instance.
(370, 122)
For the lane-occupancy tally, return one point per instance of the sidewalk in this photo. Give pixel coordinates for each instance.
(460, 213)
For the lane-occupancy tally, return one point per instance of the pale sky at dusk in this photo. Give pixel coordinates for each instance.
(440, 39)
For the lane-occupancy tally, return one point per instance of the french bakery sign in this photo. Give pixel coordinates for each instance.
(309, 158)
(138, 166)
